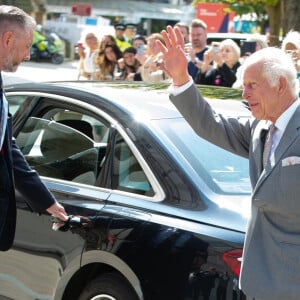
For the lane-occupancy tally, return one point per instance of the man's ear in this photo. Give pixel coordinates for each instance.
(7, 39)
(282, 84)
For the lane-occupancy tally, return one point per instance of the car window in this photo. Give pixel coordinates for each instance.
(72, 146)
(128, 174)
(58, 151)
(64, 145)
(15, 102)
(223, 171)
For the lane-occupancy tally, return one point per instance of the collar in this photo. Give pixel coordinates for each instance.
(284, 119)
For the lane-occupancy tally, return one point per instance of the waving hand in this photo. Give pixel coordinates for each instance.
(174, 58)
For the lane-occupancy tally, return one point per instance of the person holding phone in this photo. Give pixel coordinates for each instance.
(139, 40)
(151, 69)
(129, 66)
(87, 53)
(249, 46)
(140, 44)
(225, 58)
(252, 44)
(197, 47)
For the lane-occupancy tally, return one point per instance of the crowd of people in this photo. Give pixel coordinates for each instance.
(121, 57)
(128, 56)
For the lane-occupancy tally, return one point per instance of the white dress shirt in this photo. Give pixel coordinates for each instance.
(283, 120)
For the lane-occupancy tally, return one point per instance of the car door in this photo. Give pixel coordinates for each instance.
(66, 147)
(70, 146)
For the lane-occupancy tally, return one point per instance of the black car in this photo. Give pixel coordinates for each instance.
(156, 212)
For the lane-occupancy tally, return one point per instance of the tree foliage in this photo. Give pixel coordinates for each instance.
(281, 15)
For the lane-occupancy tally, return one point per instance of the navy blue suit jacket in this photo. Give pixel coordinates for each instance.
(15, 174)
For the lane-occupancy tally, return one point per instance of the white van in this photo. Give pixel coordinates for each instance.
(237, 37)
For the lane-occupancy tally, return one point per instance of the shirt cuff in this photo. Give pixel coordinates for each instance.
(176, 90)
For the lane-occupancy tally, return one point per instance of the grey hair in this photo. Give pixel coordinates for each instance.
(258, 40)
(233, 46)
(292, 37)
(12, 17)
(275, 64)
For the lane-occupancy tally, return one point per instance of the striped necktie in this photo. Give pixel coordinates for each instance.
(3, 113)
(268, 144)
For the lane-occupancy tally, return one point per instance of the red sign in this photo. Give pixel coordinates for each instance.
(215, 16)
(82, 9)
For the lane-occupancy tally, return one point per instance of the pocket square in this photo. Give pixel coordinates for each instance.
(290, 161)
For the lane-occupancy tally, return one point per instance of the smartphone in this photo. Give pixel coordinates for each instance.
(79, 46)
(215, 47)
(140, 49)
(248, 47)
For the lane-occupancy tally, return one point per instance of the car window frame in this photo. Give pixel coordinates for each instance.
(13, 106)
(43, 101)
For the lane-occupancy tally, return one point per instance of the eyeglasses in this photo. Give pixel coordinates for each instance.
(128, 56)
(291, 52)
(294, 54)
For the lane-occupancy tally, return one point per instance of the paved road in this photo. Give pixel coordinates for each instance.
(42, 71)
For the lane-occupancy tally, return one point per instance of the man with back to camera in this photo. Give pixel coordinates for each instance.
(16, 32)
(270, 266)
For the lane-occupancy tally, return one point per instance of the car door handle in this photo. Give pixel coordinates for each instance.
(73, 222)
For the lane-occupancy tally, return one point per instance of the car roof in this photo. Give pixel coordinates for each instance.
(139, 97)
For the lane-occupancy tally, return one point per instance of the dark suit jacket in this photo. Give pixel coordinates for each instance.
(16, 174)
(221, 76)
(271, 257)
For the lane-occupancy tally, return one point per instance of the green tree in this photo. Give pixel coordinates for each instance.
(35, 8)
(291, 11)
(282, 15)
(26, 5)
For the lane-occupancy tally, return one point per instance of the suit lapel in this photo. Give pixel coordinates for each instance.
(289, 136)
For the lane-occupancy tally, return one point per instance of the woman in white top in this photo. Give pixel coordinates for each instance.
(87, 54)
